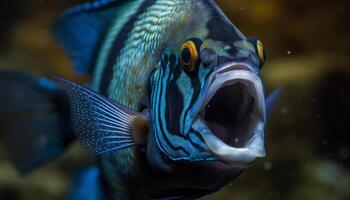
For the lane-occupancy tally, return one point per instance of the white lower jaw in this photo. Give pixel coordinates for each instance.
(254, 147)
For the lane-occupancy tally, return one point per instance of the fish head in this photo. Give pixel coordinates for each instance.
(206, 96)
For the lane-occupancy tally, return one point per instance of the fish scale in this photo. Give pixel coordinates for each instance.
(121, 18)
(158, 17)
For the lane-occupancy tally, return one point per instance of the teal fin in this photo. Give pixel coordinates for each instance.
(101, 125)
(86, 185)
(34, 119)
(271, 100)
(79, 30)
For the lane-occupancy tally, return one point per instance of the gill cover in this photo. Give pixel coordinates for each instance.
(171, 99)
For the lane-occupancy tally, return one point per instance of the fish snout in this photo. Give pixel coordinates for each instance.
(233, 66)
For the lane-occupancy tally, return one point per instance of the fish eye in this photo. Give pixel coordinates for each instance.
(261, 53)
(189, 55)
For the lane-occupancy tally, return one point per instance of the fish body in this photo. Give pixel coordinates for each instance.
(175, 108)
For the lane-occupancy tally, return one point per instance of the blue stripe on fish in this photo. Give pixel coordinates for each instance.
(162, 121)
(159, 93)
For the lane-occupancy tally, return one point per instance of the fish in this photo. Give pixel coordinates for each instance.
(175, 108)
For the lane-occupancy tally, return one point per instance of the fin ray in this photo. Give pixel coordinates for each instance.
(101, 125)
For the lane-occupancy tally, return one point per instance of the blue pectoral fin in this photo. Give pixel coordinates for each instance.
(272, 99)
(101, 125)
(80, 28)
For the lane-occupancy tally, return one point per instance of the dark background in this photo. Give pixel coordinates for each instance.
(308, 139)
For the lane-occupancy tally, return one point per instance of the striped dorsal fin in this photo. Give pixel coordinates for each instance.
(80, 28)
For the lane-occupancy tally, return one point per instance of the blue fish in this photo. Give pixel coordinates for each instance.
(175, 108)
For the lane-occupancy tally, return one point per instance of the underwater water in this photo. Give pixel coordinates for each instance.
(308, 141)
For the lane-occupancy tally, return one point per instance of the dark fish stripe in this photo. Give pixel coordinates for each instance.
(118, 45)
(166, 62)
(165, 130)
(175, 99)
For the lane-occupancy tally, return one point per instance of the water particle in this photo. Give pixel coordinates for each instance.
(267, 166)
(284, 110)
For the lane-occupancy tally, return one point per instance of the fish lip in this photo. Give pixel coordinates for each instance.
(254, 147)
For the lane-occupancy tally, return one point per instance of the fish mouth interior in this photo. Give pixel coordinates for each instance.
(230, 113)
(231, 117)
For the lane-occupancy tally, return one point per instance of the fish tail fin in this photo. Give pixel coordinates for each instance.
(34, 119)
(272, 99)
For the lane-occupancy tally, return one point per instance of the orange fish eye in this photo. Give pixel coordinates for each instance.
(189, 56)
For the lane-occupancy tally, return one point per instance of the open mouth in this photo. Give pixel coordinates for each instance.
(229, 113)
(232, 117)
